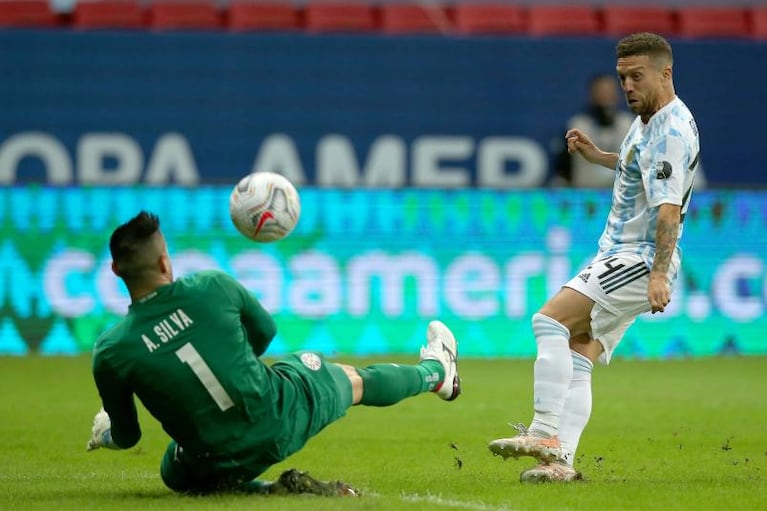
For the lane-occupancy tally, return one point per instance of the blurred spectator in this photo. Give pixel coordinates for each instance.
(606, 124)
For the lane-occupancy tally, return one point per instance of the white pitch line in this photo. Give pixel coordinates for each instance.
(458, 504)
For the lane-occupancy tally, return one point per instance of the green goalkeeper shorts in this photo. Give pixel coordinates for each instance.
(316, 394)
(326, 389)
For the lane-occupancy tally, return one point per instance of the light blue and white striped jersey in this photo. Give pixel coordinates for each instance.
(656, 165)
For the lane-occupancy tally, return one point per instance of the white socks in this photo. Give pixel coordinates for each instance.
(553, 372)
(577, 409)
(562, 386)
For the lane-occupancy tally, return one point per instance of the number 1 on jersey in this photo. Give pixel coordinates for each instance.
(192, 358)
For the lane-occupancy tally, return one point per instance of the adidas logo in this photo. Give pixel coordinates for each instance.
(584, 276)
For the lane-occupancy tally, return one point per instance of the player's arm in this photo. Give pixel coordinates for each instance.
(579, 142)
(120, 428)
(664, 184)
(666, 233)
(258, 323)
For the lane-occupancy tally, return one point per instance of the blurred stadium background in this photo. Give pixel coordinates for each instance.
(419, 135)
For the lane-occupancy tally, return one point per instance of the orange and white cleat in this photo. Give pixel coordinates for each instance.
(556, 472)
(544, 449)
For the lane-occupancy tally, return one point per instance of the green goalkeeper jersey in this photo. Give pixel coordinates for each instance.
(189, 351)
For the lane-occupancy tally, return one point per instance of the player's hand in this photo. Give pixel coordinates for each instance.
(101, 432)
(579, 142)
(658, 293)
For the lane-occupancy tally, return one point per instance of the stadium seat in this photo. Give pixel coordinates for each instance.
(759, 22)
(94, 14)
(27, 13)
(244, 15)
(183, 15)
(578, 20)
(620, 20)
(323, 16)
(726, 22)
(477, 19)
(414, 19)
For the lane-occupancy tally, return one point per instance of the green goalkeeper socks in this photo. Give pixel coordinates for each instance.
(387, 384)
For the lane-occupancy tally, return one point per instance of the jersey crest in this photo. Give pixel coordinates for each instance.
(311, 360)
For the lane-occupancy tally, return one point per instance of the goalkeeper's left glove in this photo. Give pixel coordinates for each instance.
(101, 433)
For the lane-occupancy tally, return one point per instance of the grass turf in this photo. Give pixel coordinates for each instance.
(670, 435)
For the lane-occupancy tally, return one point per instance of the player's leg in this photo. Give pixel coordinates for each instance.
(324, 391)
(179, 474)
(575, 415)
(618, 287)
(577, 408)
(610, 328)
(388, 384)
(566, 314)
(186, 473)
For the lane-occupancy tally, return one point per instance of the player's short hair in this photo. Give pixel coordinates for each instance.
(645, 43)
(131, 245)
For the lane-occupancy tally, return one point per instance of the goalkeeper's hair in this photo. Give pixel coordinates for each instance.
(131, 245)
(645, 43)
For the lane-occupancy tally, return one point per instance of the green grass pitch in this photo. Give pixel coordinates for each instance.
(664, 435)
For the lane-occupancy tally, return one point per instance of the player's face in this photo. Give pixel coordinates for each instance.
(642, 83)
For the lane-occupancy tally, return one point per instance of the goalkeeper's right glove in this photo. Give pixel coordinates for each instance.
(101, 433)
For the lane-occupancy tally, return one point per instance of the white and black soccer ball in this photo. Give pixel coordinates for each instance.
(264, 206)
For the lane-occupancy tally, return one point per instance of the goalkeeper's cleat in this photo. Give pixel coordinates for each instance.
(295, 482)
(442, 347)
(556, 472)
(525, 443)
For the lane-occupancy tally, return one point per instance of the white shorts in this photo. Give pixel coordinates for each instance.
(618, 286)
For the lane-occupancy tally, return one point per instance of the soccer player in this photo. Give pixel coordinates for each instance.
(634, 269)
(190, 350)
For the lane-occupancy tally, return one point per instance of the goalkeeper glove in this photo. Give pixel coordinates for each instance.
(101, 433)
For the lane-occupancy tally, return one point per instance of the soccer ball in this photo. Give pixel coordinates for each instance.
(264, 206)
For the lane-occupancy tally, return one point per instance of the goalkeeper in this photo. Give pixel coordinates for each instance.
(190, 350)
